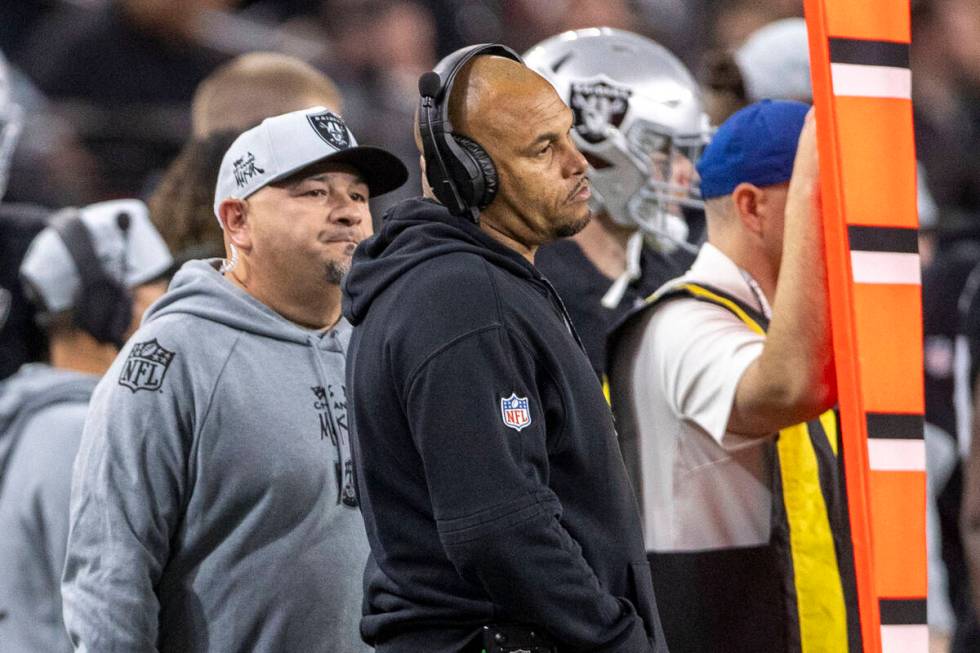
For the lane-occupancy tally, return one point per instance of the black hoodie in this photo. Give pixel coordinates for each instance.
(481, 507)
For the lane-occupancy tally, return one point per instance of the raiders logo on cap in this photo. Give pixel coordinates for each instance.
(598, 104)
(329, 127)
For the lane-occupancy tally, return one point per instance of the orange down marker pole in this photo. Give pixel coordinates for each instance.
(859, 57)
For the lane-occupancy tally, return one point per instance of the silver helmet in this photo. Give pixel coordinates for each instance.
(11, 122)
(639, 120)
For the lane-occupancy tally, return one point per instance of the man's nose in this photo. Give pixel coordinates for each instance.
(348, 212)
(682, 171)
(576, 163)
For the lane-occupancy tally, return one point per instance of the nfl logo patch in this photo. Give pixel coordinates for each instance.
(146, 366)
(515, 412)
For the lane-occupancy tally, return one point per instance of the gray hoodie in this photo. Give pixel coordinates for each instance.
(212, 501)
(42, 411)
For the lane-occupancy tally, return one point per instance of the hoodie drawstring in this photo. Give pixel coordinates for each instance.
(345, 469)
(634, 251)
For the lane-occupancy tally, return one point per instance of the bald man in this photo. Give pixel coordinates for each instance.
(495, 497)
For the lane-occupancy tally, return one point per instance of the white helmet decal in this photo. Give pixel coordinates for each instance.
(598, 104)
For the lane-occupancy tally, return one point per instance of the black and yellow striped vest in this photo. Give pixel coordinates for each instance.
(796, 594)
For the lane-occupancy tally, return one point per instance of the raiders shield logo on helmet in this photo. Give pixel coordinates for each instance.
(598, 103)
(145, 366)
(329, 127)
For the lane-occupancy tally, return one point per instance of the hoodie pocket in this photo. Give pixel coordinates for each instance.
(641, 584)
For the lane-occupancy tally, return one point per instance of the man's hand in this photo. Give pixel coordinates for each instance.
(793, 379)
(803, 198)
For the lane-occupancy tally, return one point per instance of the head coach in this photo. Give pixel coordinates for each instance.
(495, 497)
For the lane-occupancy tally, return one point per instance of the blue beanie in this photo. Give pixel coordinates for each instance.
(756, 145)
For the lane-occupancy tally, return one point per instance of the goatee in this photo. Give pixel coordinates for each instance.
(335, 272)
(571, 228)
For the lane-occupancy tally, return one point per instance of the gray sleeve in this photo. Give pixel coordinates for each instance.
(52, 451)
(127, 496)
(34, 526)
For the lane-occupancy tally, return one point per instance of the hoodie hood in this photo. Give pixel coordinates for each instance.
(32, 388)
(198, 289)
(415, 231)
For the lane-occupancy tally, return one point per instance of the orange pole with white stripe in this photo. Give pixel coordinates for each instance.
(859, 57)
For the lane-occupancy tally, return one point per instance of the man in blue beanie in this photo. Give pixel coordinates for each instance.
(723, 387)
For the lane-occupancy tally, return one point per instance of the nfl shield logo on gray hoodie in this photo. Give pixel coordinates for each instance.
(213, 504)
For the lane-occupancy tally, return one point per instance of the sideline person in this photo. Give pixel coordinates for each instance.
(495, 497)
(90, 275)
(213, 506)
(640, 123)
(723, 390)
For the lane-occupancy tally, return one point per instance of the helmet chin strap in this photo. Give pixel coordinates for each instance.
(671, 237)
(668, 230)
(634, 249)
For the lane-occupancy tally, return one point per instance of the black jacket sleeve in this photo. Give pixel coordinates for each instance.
(499, 522)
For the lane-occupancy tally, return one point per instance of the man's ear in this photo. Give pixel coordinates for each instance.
(746, 198)
(234, 221)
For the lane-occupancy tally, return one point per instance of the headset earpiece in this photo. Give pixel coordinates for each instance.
(105, 310)
(103, 306)
(432, 131)
(487, 179)
(460, 172)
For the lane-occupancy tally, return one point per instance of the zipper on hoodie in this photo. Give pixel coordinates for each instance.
(559, 306)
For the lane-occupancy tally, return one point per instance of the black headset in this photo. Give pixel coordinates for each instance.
(103, 306)
(461, 173)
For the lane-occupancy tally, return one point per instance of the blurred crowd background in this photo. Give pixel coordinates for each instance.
(106, 88)
(107, 84)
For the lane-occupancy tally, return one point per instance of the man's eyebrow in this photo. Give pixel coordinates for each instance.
(550, 136)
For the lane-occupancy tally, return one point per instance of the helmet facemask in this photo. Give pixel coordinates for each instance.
(644, 178)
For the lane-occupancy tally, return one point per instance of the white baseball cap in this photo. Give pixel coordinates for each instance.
(285, 144)
(129, 249)
(775, 62)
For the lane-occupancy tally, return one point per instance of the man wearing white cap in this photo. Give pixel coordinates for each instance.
(213, 505)
(91, 273)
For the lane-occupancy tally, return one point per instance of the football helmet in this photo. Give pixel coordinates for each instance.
(639, 120)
